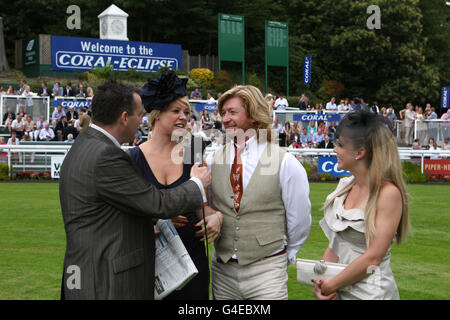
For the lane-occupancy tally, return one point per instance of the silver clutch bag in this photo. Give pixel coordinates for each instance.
(307, 270)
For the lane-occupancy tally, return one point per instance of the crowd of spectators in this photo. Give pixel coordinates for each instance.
(409, 117)
(425, 130)
(66, 125)
(401, 124)
(57, 91)
(61, 124)
(305, 134)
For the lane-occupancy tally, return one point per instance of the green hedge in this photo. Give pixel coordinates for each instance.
(293, 101)
(4, 171)
(412, 173)
(308, 168)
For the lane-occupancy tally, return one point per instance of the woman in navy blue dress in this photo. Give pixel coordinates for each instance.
(165, 162)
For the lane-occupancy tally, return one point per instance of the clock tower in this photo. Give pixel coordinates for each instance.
(113, 23)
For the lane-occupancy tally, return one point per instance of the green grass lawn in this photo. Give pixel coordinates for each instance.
(32, 243)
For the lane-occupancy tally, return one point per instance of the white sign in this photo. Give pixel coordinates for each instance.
(57, 162)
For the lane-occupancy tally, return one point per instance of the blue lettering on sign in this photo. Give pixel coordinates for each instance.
(205, 106)
(83, 54)
(329, 165)
(72, 103)
(307, 70)
(305, 117)
(445, 98)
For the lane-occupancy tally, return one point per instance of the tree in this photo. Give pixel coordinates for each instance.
(387, 64)
(306, 27)
(3, 61)
(404, 61)
(436, 30)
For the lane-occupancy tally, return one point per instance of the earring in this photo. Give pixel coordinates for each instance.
(356, 158)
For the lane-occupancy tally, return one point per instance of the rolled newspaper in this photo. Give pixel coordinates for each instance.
(173, 264)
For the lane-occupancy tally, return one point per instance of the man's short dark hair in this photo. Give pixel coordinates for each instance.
(111, 99)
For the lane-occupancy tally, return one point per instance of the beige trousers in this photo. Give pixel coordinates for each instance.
(265, 279)
(409, 135)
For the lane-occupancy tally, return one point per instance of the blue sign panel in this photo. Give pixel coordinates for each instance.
(205, 106)
(305, 117)
(68, 103)
(307, 70)
(445, 97)
(329, 165)
(83, 54)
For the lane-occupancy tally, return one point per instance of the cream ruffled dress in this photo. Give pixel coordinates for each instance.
(345, 231)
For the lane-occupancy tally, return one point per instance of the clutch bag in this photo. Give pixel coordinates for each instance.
(307, 270)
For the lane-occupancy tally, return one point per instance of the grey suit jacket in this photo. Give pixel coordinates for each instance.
(107, 209)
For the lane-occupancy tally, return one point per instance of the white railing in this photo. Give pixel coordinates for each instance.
(34, 106)
(199, 101)
(423, 129)
(287, 115)
(35, 151)
(436, 128)
(44, 151)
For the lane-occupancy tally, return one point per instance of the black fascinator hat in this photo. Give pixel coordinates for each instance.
(158, 93)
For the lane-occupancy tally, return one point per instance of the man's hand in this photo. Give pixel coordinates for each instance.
(213, 227)
(201, 173)
(179, 221)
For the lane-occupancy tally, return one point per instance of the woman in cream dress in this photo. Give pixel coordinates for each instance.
(366, 212)
(421, 126)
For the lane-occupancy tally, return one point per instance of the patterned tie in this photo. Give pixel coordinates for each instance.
(236, 179)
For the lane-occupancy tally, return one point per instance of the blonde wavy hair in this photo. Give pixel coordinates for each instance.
(153, 116)
(369, 131)
(254, 104)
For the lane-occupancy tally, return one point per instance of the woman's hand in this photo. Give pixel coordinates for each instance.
(213, 227)
(179, 221)
(322, 292)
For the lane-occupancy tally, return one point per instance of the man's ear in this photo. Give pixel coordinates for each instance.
(123, 117)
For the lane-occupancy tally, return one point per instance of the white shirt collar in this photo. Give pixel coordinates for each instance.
(106, 133)
(249, 142)
(252, 148)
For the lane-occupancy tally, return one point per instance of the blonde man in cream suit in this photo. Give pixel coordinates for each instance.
(263, 193)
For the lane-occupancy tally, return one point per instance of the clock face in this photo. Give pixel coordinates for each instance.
(104, 27)
(117, 27)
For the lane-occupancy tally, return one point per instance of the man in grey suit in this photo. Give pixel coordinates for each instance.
(107, 206)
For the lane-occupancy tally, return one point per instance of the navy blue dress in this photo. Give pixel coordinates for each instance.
(198, 287)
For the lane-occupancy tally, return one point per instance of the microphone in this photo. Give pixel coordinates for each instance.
(198, 157)
(198, 150)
